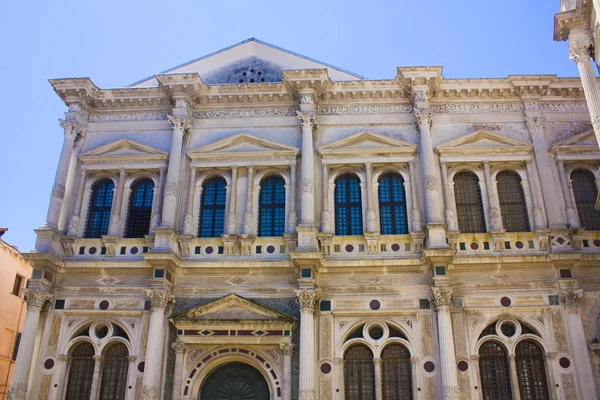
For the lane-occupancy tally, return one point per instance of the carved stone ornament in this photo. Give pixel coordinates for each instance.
(179, 347)
(181, 103)
(308, 120)
(379, 109)
(538, 217)
(58, 192)
(286, 348)
(292, 222)
(416, 220)
(474, 108)
(451, 393)
(579, 49)
(420, 96)
(596, 123)
(188, 224)
(17, 392)
(159, 300)
(180, 125)
(432, 184)
(338, 361)
(306, 299)
(307, 186)
(371, 221)
(535, 126)
(571, 298)
(36, 298)
(63, 358)
(149, 393)
(132, 116)
(326, 222)
(307, 395)
(74, 128)
(230, 223)
(74, 225)
(441, 297)
(495, 217)
(450, 220)
(245, 113)
(307, 100)
(171, 189)
(248, 222)
(424, 117)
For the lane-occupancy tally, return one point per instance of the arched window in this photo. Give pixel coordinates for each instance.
(359, 378)
(99, 211)
(512, 202)
(140, 209)
(469, 207)
(212, 211)
(348, 206)
(114, 372)
(271, 207)
(585, 192)
(81, 372)
(392, 205)
(531, 371)
(396, 373)
(494, 371)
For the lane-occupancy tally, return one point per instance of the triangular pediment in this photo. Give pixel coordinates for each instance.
(123, 149)
(585, 141)
(243, 145)
(250, 61)
(367, 143)
(483, 142)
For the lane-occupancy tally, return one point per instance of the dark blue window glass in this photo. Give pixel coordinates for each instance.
(212, 211)
(392, 205)
(271, 213)
(348, 206)
(140, 209)
(99, 212)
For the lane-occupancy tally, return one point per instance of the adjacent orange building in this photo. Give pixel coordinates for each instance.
(14, 273)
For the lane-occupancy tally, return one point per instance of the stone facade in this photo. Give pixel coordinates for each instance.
(293, 305)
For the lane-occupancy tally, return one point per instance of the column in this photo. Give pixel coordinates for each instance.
(159, 301)
(188, 220)
(231, 219)
(446, 188)
(180, 125)
(442, 300)
(131, 377)
(378, 386)
(292, 216)
(61, 379)
(565, 184)
(580, 44)
(35, 303)
(371, 217)
(115, 213)
(307, 118)
(156, 200)
(96, 377)
(249, 214)
(495, 215)
(326, 217)
(416, 220)
(539, 219)
(71, 129)
(514, 378)
(578, 343)
(75, 221)
(307, 300)
(287, 349)
(180, 350)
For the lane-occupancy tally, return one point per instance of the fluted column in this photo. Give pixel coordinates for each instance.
(442, 300)
(248, 226)
(580, 45)
(35, 302)
(159, 301)
(326, 217)
(495, 215)
(156, 200)
(377, 373)
(565, 184)
(75, 220)
(180, 350)
(307, 300)
(115, 214)
(292, 220)
(447, 188)
(287, 349)
(171, 193)
(71, 130)
(581, 356)
(231, 219)
(96, 377)
(371, 217)
(188, 220)
(416, 219)
(307, 118)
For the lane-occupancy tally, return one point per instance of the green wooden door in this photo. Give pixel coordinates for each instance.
(235, 381)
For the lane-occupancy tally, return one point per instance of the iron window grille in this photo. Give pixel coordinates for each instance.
(585, 192)
(396, 373)
(494, 371)
(140, 209)
(531, 371)
(392, 205)
(348, 206)
(81, 372)
(512, 202)
(469, 206)
(359, 378)
(212, 211)
(100, 206)
(271, 212)
(114, 372)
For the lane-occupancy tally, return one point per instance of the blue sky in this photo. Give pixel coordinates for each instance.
(119, 42)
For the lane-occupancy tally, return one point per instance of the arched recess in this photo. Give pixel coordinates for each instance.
(470, 211)
(235, 380)
(213, 207)
(348, 205)
(81, 371)
(139, 209)
(396, 373)
(514, 200)
(531, 370)
(359, 374)
(393, 204)
(272, 204)
(99, 208)
(115, 366)
(494, 371)
(585, 193)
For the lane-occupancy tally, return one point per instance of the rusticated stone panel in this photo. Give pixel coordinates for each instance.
(464, 383)
(54, 332)
(44, 387)
(460, 339)
(325, 388)
(559, 331)
(127, 305)
(325, 336)
(426, 334)
(82, 304)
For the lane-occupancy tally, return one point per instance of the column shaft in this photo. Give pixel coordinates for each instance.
(307, 169)
(172, 184)
(431, 179)
(292, 217)
(371, 216)
(378, 384)
(115, 214)
(154, 346)
(306, 300)
(94, 390)
(188, 221)
(495, 215)
(442, 299)
(287, 370)
(75, 221)
(579, 43)
(416, 220)
(565, 184)
(157, 200)
(449, 211)
(178, 372)
(231, 219)
(249, 214)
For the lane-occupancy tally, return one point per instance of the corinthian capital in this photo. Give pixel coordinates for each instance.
(424, 117)
(178, 347)
(36, 298)
(306, 299)
(535, 126)
(286, 348)
(307, 119)
(441, 297)
(571, 298)
(580, 47)
(159, 300)
(180, 125)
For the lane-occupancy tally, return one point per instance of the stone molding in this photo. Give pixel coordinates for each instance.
(441, 297)
(245, 113)
(58, 192)
(308, 120)
(424, 116)
(307, 395)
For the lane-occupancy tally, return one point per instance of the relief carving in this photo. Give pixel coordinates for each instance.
(36, 299)
(307, 186)
(432, 184)
(441, 297)
(306, 299)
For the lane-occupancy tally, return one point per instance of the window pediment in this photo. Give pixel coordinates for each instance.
(584, 142)
(124, 150)
(482, 143)
(367, 144)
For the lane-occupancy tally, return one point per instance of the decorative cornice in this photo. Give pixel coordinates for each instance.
(130, 116)
(245, 113)
(476, 107)
(374, 109)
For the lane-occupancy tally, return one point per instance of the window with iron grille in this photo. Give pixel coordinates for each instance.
(396, 373)
(99, 211)
(140, 209)
(392, 205)
(114, 372)
(585, 193)
(212, 210)
(271, 207)
(81, 372)
(469, 206)
(348, 206)
(531, 371)
(359, 379)
(494, 371)
(512, 202)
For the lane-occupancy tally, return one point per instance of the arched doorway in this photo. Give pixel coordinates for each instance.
(235, 381)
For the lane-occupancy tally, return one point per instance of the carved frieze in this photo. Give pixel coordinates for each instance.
(132, 116)
(432, 184)
(378, 109)
(477, 107)
(286, 348)
(171, 189)
(244, 113)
